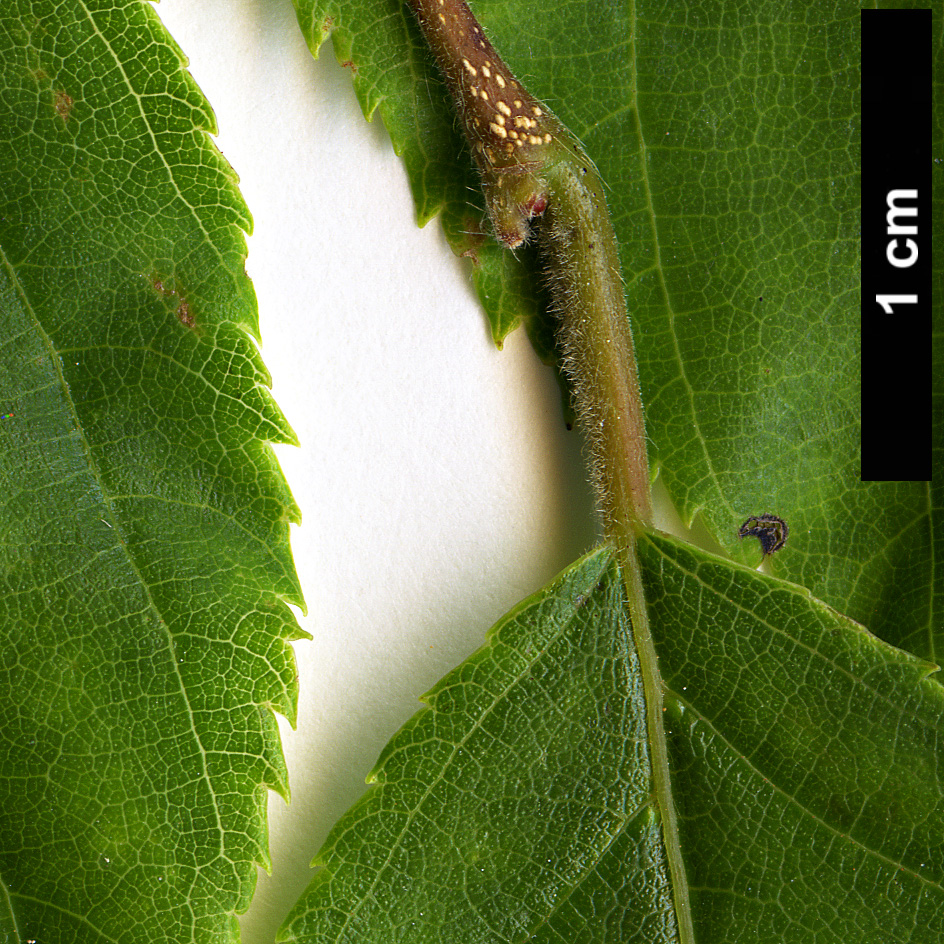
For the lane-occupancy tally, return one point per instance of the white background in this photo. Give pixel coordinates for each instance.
(437, 483)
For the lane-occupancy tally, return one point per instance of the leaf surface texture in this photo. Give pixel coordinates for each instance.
(517, 805)
(144, 562)
(728, 134)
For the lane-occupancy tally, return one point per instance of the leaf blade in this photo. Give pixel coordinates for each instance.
(785, 712)
(793, 815)
(469, 841)
(146, 563)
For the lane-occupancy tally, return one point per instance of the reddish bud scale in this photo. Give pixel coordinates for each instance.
(513, 136)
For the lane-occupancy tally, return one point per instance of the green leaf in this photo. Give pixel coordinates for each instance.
(144, 563)
(728, 136)
(518, 805)
(805, 756)
(522, 792)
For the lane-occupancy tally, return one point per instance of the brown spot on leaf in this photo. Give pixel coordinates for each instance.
(472, 254)
(474, 239)
(63, 103)
(185, 314)
(350, 64)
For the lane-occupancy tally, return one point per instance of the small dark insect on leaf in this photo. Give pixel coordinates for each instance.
(770, 530)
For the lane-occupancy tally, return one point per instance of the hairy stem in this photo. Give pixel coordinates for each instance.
(535, 175)
(533, 167)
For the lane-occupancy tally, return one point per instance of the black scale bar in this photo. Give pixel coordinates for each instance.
(896, 245)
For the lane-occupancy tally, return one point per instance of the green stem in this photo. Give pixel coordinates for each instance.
(536, 175)
(579, 244)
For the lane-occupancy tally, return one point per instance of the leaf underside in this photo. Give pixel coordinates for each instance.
(144, 562)
(728, 136)
(517, 805)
